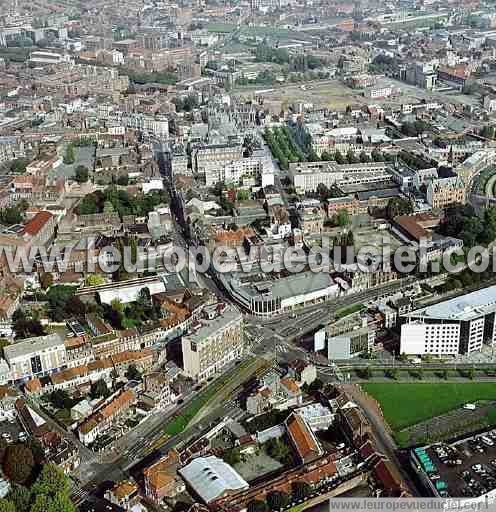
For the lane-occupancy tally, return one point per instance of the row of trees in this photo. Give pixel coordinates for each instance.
(121, 202)
(283, 146)
(186, 104)
(268, 77)
(163, 77)
(415, 373)
(414, 129)
(70, 156)
(300, 63)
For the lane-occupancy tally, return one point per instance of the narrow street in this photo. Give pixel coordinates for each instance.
(382, 434)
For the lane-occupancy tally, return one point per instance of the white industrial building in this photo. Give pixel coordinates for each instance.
(456, 326)
(307, 176)
(211, 478)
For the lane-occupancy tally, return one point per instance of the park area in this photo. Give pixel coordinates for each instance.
(426, 412)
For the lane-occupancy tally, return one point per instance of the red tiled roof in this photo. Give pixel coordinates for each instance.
(302, 437)
(34, 226)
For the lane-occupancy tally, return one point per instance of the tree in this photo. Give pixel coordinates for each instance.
(377, 156)
(123, 181)
(277, 500)
(133, 373)
(46, 280)
(18, 463)
(18, 166)
(25, 326)
(82, 174)
(51, 481)
(392, 374)
(364, 158)
(60, 399)
(350, 156)
(257, 506)
(99, 389)
(398, 206)
(243, 195)
(322, 191)
(343, 218)
(11, 215)
(316, 385)
(58, 297)
(69, 157)
(7, 506)
(20, 496)
(231, 457)
(338, 156)
(94, 280)
(279, 450)
(75, 307)
(300, 490)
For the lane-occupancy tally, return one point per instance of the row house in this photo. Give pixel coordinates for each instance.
(142, 360)
(104, 417)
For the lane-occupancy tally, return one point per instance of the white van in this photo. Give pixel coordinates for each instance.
(487, 441)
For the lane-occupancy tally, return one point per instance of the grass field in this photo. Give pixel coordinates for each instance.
(341, 313)
(404, 405)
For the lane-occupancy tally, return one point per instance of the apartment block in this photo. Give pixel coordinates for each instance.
(307, 176)
(213, 343)
(36, 357)
(461, 325)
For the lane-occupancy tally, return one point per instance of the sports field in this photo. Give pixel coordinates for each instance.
(404, 405)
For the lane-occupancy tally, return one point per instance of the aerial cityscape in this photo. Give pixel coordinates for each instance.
(247, 255)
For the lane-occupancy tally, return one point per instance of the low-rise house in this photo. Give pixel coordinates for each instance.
(81, 410)
(70, 378)
(79, 351)
(303, 439)
(161, 479)
(61, 451)
(142, 360)
(106, 344)
(124, 494)
(290, 394)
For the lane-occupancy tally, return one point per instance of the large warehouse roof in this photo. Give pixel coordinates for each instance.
(210, 477)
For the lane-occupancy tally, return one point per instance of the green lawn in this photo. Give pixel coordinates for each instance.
(341, 313)
(404, 405)
(221, 28)
(216, 389)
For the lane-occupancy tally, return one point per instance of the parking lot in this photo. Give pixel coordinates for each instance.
(467, 467)
(12, 431)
